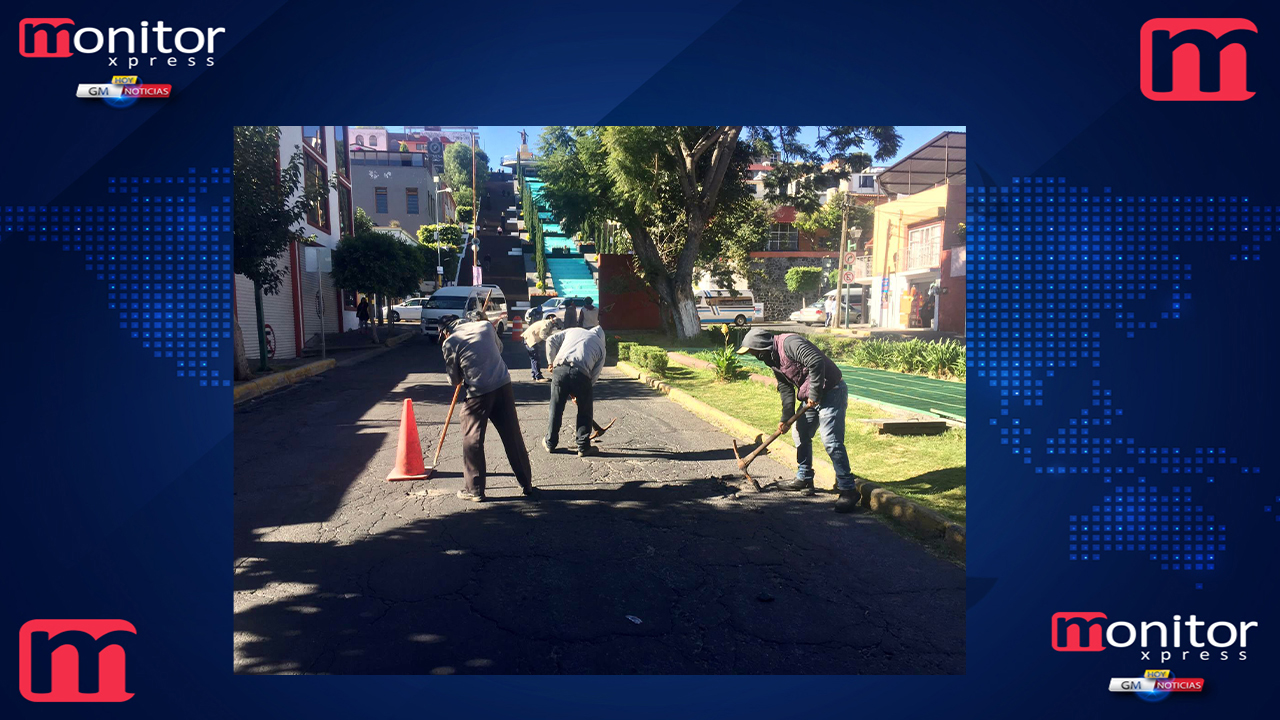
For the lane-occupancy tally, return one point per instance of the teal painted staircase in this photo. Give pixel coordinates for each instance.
(570, 274)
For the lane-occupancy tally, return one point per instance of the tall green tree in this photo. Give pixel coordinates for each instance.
(825, 223)
(457, 167)
(375, 263)
(270, 208)
(445, 250)
(801, 170)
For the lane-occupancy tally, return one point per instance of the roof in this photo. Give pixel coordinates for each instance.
(941, 160)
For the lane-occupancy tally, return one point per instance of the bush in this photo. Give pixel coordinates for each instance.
(726, 364)
(611, 346)
(624, 350)
(653, 359)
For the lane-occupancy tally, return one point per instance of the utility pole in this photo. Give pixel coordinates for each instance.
(841, 310)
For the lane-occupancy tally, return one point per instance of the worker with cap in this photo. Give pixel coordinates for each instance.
(804, 373)
(537, 335)
(473, 357)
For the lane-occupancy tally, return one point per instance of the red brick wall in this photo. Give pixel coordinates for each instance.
(951, 305)
(626, 301)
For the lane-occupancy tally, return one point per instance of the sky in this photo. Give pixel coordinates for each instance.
(504, 140)
(499, 140)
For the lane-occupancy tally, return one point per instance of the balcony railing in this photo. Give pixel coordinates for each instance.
(862, 266)
(924, 254)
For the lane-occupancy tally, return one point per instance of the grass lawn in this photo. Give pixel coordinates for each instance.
(929, 470)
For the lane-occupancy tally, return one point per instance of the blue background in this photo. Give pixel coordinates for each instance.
(119, 472)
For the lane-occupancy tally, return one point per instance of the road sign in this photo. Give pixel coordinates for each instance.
(849, 258)
(848, 277)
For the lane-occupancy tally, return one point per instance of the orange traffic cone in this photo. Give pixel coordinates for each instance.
(517, 329)
(409, 463)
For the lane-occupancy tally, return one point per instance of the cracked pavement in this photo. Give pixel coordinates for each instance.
(338, 571)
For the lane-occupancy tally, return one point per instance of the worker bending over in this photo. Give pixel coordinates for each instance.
(576, 358)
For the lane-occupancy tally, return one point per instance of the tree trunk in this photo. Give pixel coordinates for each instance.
(262, 328)
(241, 369)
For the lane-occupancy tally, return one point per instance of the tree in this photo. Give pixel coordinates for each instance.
(803, 280)
(463, 195)
(376, 263)
(269, 208)
(665, 186)
(802, 171)
(449, 246)
(457, 167)
(361, 223)
(827, 220)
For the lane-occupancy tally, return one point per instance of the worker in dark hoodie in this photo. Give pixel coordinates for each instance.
(473, 356)
(805, 374)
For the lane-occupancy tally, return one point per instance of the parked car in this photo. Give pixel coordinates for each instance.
(554, 307)
(815, 314)
(410, 310)
(450, 303)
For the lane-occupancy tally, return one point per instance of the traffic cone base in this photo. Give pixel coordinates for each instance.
(409, 462)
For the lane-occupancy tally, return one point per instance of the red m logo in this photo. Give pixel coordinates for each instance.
(41, 37)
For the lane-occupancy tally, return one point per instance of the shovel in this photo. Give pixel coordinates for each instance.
(431, 469)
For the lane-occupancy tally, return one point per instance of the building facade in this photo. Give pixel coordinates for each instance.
(292, 316)
(395, 188)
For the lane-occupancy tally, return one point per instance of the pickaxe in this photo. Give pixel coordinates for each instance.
(599, 430)
(763, 447)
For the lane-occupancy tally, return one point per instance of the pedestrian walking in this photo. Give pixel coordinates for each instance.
(473, 357)
(804, 373)
(362, 313)
(570, 316)
(590, 315)
(829, 309)
(536, 335)
(576, 358)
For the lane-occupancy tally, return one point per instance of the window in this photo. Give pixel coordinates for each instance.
(867, 181)
(411, 200)
(924, 247)
(318, 214)
(344, 210)
(340, 159)
(313, 137)
(782, 237)
(373, 141)
(360, 140)
(380, 200)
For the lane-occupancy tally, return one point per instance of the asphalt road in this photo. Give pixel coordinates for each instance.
(339, 571)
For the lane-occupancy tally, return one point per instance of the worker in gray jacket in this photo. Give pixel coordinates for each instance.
(575, 357)
(473, 357)
(804, 373)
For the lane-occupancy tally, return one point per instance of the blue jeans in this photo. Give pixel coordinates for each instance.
(533, 361)
(827, 419)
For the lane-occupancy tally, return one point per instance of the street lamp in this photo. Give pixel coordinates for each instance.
(439, 260)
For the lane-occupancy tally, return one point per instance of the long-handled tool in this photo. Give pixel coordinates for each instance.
(431, 469)
(598, 430)
(762, 447)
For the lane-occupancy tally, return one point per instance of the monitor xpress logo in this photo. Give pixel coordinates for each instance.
(1197, 59)
(74, 660)
(127, 47)
(1084, 632)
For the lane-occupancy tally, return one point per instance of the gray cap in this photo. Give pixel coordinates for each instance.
(756, 339)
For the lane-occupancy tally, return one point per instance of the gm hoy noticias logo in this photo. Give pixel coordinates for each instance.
(75, 660)
(1189, 639)
(1198, 59)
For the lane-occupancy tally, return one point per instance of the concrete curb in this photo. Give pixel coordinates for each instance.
(693, 362)
(263, 385)
(875, 497)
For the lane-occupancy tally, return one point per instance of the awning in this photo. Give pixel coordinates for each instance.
(941, 160)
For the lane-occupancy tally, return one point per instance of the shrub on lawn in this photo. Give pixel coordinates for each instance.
(611, 346)
(624, 350)
(653, 359)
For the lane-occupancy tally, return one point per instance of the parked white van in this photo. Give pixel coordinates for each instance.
(450, 303)
(720, 307)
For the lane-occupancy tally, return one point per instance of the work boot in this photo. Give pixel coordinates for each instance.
(848, 501)
(546, 445)
(797, 484)
(465, 494)
(531, 493)
(586, 450)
